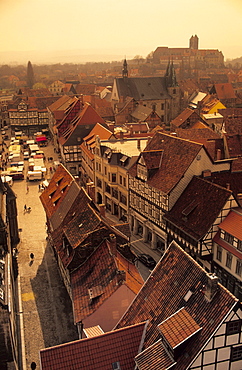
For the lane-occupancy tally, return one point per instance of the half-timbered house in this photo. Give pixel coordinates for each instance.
(193, 321)
(194, 219)
(158, 178)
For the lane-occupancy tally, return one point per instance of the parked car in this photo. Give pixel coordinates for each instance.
(147, 260)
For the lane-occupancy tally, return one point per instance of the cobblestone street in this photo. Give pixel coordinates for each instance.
(46, 308)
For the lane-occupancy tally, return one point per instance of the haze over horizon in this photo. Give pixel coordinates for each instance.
(108, 30)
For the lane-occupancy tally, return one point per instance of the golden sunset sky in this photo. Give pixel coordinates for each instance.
(114, 27)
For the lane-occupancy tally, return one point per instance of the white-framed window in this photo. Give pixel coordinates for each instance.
(219, 253)
(229, 260)
(238, 269)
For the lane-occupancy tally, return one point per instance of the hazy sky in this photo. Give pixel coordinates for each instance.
(115, 27)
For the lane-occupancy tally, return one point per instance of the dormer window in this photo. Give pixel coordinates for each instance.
(142, 172)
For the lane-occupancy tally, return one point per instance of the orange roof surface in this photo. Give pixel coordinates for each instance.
(232, 224)
(178, 327)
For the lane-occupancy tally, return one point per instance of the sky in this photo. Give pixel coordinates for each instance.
(58, 30)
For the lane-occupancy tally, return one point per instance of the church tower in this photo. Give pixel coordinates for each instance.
(173, 90)
(125, 69)
(193, 42)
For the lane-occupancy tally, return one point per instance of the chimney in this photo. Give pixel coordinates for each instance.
(206, 173)
(102, 209)
(218, 154)
(121, 135)
(211, 287)
(111, 241)
(131, 130)
(228, 186)
(138, 144)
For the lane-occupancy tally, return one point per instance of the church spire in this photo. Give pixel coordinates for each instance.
(170, 75)
(125, 69)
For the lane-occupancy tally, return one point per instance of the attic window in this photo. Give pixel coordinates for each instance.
(95, 292)
(116, 365)
(188, 295)
(52, 194)
(58, 182)
(186, 211)
(123, 159)
(56, 202)
(63, 189)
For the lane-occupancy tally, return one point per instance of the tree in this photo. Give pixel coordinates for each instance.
(39, 85)
(30, 75)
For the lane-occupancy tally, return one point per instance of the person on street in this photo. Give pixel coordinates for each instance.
(31, 256)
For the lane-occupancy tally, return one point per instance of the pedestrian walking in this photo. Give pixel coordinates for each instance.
(27, 189)
(25, 208)
(31, 256)
(39, 187)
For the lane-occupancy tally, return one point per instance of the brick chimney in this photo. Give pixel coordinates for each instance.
(138, 144)
(211, 287)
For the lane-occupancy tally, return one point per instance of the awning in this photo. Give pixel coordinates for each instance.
(41, 138)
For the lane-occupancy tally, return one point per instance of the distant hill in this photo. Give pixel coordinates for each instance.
(234, 62)
(53, 57)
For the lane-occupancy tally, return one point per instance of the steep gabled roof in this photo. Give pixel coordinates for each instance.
(194, 202)
(143, 88)
(87, 117)
(177, 281)
(233, 180)
(102, 274)
(54, 194)
(99, 352)
(60, 104)
(178, 154)
(184, 115)
(224, 91)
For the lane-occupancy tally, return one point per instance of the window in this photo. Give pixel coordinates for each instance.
(228, 238)
(120, 180)
(229, 260)
(238, 269)
(124, 182)
(113, 177)
(219, 253)
(233, 327)
(236, 353)
(239, 245)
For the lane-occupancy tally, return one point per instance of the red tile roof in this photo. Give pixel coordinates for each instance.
(101, 270)
(98, 352)
(233, 180)
(178, 155)
(77, 128)
(194, 202)
(225, 91)
(56, 191)
(232, 224)
(178, 327)
(164, 293)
